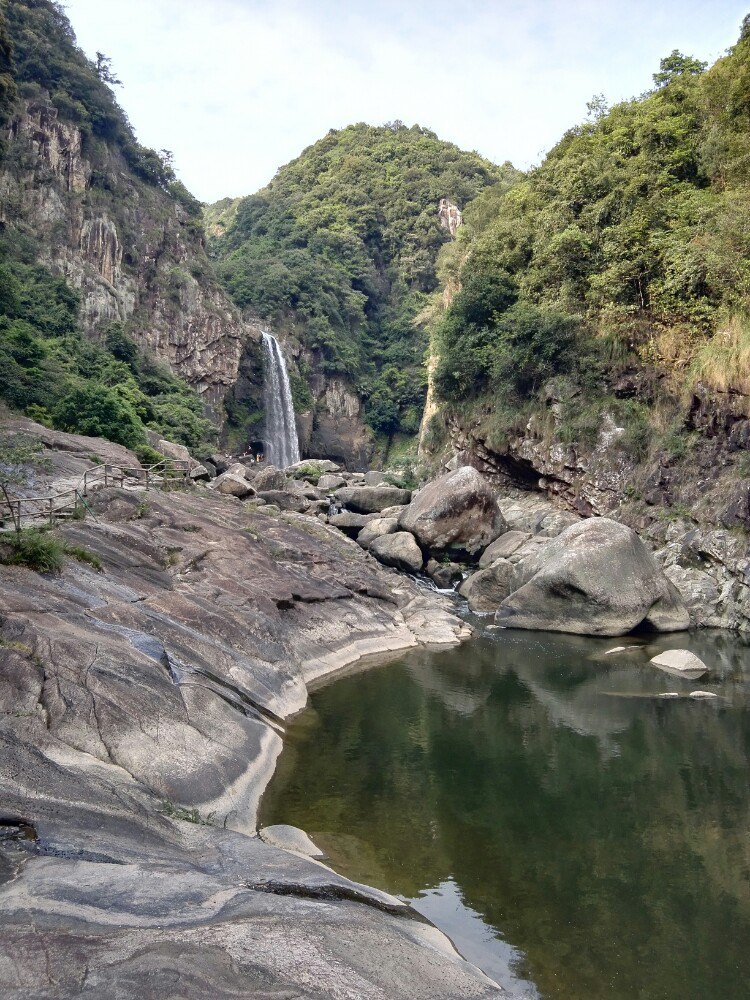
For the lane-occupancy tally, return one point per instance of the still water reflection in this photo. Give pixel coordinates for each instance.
(566, 828)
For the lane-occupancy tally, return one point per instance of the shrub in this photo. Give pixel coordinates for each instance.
(35, 548)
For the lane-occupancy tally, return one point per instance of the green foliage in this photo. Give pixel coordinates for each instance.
(84, 555)
(35, 548)
(343, 243)
(625, 248)
(52, 373)
(174, 811)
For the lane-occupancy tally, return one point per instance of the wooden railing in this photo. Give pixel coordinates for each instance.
(67, 503)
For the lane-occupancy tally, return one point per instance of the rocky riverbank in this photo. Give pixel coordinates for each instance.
(142, 709)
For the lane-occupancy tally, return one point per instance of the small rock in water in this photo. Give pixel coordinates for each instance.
(615, 649)
(681, 661)
(290, 838)
(702, 694)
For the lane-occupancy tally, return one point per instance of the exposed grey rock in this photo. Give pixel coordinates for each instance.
(290, 838)
(155, 689)
(398, 550)
(371, 499)
(375, 529)
(199, 473)
(375, 479)
(681, 661)
(232, 485)
(238, 469)
(554, 523)
(503, 547)
(323, 465)
(285, 501)
(394, 511)
(596, 578)
(702, 695)
(456, 513)
(486, 589)
(269, 478)
(330, 482)
(351, 524)
(444, 574)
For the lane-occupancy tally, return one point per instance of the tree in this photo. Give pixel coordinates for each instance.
(675, 65)
(104, 70)
(99, 411)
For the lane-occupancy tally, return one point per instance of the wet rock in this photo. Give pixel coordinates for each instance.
(702, 695)
(444, 574)
(398, 550)
(681, 661)
(503, 547)
(456, 514)
(486, 589)
(596, 578)
(232, 485)
(375, 529)
(371, 499)
(269, 478)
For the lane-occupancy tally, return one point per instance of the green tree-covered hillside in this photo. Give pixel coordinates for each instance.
(48, 368)
(627, 249)
(341, 248)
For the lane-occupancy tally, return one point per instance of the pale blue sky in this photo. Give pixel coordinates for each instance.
(236, 88)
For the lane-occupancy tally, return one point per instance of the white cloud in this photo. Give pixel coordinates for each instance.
(238, 87)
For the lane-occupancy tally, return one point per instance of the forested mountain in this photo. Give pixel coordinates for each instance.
(339, 252)
(619, 269)
(110, 317)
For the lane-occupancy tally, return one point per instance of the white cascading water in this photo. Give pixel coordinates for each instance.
(282, 445)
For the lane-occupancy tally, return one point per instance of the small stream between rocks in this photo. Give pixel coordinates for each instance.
(573, 832)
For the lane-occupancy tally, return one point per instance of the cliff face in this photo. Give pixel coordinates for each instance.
(134, 252)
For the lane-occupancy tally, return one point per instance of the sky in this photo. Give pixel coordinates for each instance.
(237, 88)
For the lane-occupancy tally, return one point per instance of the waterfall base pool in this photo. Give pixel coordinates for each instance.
(575, 835)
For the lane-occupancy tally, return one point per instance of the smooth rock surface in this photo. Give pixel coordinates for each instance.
(486, 589)
(681, 661)
(398, 550)
(290, 838)
(596, 578)
(371, 499)
(456, 513)
(233, 485)
(375, 529)
(269, 477)
(503, 547)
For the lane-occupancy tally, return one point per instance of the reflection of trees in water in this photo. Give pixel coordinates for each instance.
(606, 837)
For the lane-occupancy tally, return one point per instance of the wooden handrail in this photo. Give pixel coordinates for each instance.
(107, 471)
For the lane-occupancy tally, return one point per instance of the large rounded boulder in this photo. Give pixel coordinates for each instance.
(455, 514)
(398, 550)
(371, 499)
(595, 578)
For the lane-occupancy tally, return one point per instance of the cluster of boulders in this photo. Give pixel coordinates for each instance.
(531, 565)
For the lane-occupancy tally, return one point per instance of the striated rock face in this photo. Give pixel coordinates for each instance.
(141, 713)
(133, 252)
(337, 429)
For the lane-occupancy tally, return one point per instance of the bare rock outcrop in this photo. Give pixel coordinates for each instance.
(595, 578)
(457, 514)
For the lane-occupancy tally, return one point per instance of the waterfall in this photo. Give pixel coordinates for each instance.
(282, 446)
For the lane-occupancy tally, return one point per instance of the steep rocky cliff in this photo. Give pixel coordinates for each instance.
(104, 213)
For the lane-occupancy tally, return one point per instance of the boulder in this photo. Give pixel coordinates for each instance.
(171, 450)
(285, 501)
(234, 486)
(456, 513)
(398, 550)
(320, 465)
(351, 524)
(596, 578)
(330, 481)
(290, 838)
(503, 547)
(444, 574)
(237, 469)
(681, 661)
(375, 479)
(269, 478)
(486, 589)
(553, 524)
(371, 499)
(199, 473)
(375, 529)
(395, 511)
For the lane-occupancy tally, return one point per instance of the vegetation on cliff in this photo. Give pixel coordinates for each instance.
(625, 253)
(48, 368)
(341, 248)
